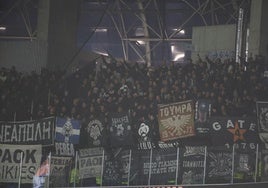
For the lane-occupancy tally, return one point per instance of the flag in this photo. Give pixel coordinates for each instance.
(67, 130)
(120, 130)
(262, 115)
(202, 115)
(93, 133)
(233, 130)
(176, 120)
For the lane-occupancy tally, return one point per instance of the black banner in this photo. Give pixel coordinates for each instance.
(218, 165)
(264, 165)
(120, 130)
(116, 168)
(93, 134)
(144, 135)
(202, 115)
(244, 163)
(139, 170)
(28, 132)
(59, 171)
(154, 167)
(231, 130)
(193, 160)
(163, 166)
(262, 114)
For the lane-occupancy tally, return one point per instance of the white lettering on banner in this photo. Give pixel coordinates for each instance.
(194, 150)
(160, 167)
(123, 119)
(66, 149)
(175, 109)
(25, 132)
(230, 124)
(10, 161)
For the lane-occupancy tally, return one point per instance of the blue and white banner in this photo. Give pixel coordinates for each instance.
(67, 130)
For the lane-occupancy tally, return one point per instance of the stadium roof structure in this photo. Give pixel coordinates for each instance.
(134, 30)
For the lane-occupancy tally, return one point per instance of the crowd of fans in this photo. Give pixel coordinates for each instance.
(99, 89)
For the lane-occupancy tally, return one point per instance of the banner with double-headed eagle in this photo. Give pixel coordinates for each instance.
(176, 120)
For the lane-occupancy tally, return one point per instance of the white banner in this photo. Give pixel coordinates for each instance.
(90, 162)
(10, 162)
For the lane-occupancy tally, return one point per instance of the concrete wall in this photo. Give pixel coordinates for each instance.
(25, 55)
(258, 29)
(55, 44)
(214, 41)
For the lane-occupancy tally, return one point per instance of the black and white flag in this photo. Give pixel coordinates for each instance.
(193, 161)
(93, 134)
(120, 130)
(219, 162)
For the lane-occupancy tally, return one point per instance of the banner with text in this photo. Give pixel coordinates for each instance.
(244, 164)
(11, 166)
(139, 169)
(120, 130)
(144, 134)
(59, 171)
(193, 160)
(163, 166)
(28, 132)
(231, 130)
(90, 162)
(176, 120)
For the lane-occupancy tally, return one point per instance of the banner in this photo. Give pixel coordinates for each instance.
(163, 166)
(28, 132)
(264, 165)
(193, 161)
(176, 120)
(202, 114)
(64, 149)
(59, 171)
(219, 165)
(93, 134)
(120, 130)
(231, 130)
(67, 130)
(90, 162)
(144, 135)
(262, 115)
(139, 169)
(116, 168)
(10, 162)
(244, 164)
